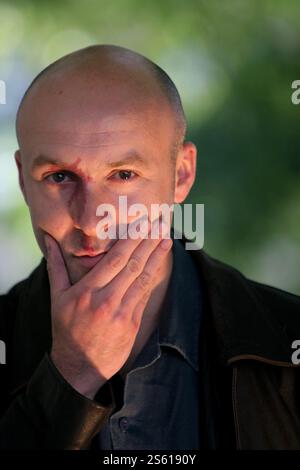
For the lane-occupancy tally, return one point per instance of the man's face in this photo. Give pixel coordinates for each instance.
(79, 150)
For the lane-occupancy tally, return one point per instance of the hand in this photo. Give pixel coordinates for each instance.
(96, 320)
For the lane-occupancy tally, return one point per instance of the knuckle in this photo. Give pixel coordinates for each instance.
(83, 299)
(134, 265)
(145, 297)
(115, 259)
(144, 280)
(121, 320)
(123, 313)
(136, 323)
(106, 305)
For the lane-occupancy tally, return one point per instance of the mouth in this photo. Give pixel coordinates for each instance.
(89, 259)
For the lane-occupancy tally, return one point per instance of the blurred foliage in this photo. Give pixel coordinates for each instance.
(233, 63)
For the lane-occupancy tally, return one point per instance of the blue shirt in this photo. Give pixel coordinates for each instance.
(159, 400)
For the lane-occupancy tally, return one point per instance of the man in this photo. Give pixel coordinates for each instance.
(127, 343)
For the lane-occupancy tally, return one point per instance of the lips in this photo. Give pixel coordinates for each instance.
(88, 260)
(89, 253)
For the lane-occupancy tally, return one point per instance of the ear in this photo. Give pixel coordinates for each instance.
(18, 160)
(185, 171)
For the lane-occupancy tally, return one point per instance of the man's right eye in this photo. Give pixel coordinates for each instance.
(58, 177)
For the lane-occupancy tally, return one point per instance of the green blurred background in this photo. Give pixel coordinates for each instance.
(233, 63)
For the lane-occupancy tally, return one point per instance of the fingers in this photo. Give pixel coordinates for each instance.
(138, 290)
(115, 261)
(58, 275)
(134, 267)
(138, 311)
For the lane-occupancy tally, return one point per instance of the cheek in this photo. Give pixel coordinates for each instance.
(49, 219)
(165, 184)
(48, 214)
(161, 192)
(152, 199)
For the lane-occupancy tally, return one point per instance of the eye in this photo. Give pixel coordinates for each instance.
(58, 177)
(124, 175)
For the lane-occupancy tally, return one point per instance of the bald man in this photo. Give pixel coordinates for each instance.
(131, 343)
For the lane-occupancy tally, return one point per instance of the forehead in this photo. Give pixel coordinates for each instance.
(106, 142)
(66, 123)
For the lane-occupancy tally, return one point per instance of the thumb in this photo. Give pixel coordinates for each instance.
(58, 275)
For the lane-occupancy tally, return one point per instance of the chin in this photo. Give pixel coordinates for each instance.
(76, 273)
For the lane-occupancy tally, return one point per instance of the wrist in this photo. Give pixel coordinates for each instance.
(86, 382)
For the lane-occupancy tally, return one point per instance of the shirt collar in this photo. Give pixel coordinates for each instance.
(182, 307)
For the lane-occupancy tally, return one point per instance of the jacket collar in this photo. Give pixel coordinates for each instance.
(245, 323)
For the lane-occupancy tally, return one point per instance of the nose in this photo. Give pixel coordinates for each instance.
(84, 207)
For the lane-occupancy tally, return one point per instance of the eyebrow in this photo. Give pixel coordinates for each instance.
(130, 158)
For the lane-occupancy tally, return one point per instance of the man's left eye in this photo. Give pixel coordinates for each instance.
(124, 175)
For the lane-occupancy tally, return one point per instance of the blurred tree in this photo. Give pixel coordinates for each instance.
(233, 62)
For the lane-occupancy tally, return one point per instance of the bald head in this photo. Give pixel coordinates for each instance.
(110, 77)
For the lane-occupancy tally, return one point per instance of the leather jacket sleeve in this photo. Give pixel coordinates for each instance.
(47, 413)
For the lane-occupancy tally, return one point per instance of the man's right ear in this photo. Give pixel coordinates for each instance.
(18, 160)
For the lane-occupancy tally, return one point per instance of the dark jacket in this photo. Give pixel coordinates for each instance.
(250, 388)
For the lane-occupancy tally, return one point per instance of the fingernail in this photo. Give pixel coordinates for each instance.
(166, 243)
